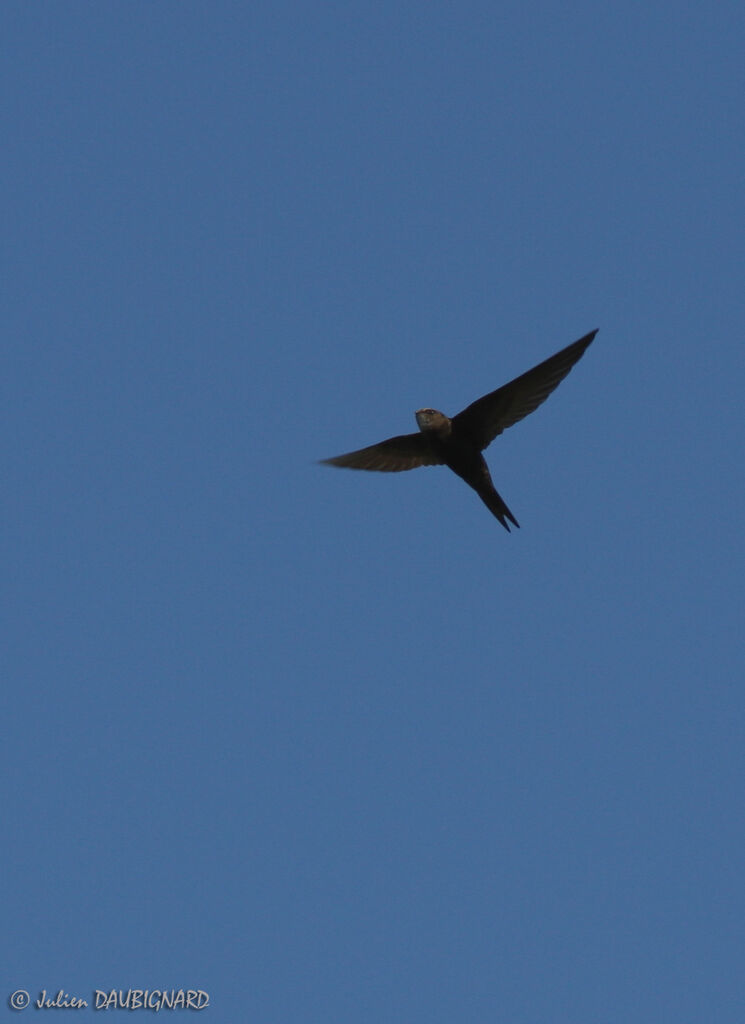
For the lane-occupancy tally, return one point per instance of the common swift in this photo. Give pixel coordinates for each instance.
(458, 442)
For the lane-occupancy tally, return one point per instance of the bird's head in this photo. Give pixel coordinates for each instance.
(432, 420)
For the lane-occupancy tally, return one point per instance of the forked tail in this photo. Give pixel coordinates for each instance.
(496, 505)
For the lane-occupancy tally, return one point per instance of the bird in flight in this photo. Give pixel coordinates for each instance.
(458, 442)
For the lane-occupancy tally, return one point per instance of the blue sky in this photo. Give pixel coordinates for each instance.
(333, 746)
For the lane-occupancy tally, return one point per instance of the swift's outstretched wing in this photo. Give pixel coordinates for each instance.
(407, 451)
(487, 417)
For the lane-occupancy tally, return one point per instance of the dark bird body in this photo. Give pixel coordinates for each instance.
(458, 442)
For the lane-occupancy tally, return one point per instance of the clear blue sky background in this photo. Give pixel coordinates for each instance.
(333, 746)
